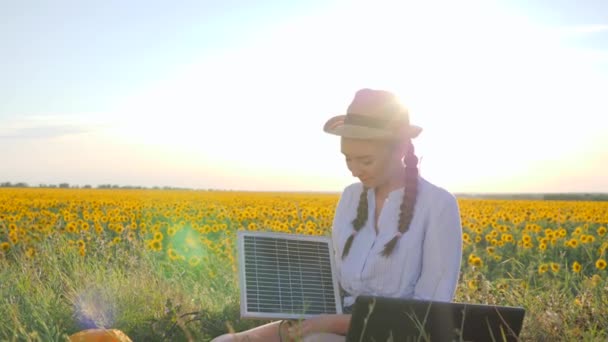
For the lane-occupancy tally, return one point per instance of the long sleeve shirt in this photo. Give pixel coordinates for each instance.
(425, 263)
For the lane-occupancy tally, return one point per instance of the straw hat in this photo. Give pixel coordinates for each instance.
(373, 114)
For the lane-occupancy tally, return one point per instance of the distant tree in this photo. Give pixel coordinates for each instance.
(64, 185)
(21, 185)
(6, 185)
(87, 186)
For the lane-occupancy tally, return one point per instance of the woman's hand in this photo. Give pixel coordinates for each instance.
(317, 324)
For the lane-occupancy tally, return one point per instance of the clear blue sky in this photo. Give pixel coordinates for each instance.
(228, 94)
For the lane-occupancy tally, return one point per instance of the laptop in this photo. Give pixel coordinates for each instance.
(382, 319)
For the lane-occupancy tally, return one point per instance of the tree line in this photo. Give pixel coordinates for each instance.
(86, 186)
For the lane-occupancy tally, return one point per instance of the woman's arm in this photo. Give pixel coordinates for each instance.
(336, 324)
(441, 254)
(341, 324)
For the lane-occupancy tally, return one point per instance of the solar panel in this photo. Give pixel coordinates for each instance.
(286, 276)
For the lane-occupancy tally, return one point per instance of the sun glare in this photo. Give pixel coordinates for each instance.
(482, 87)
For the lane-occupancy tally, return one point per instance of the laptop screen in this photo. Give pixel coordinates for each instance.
(383, 319)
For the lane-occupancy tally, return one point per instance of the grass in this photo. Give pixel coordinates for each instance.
(58, 292)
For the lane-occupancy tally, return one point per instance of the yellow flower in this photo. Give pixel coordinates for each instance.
(555, 267)
(194, 261)
(600, 264)
(601, 231)
(155, 245)
(542, 247)
(595, 280)
(576, 267)
(543, 268)
(5, 246)
(30, 253)
(131, 236)
(472, 284)
(173, 255)
(475, 261)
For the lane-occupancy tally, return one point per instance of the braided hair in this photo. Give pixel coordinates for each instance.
(406, 210)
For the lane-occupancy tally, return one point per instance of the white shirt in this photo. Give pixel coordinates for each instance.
(425, 263)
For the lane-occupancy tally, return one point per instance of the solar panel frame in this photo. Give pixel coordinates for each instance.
(245, 310)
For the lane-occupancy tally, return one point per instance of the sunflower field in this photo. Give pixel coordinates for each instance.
(160, 265)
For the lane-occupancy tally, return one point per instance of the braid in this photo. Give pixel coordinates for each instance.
(409, 199)
(358, 222)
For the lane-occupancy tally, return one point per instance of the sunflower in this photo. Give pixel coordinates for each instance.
(194, 261)
(576, 267)
(600, 264)
(30, 253)
(155, 245)
(173, 255)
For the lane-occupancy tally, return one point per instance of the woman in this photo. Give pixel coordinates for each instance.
(394, 233)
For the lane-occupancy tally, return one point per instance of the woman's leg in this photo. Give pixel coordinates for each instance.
(324, 337)
(270, 332)
(267, 332)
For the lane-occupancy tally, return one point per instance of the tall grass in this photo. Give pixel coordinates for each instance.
(150, 298)
(59, 292)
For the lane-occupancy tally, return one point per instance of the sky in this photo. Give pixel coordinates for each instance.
(234, 94)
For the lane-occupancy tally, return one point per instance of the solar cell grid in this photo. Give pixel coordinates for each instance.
(286, 275)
